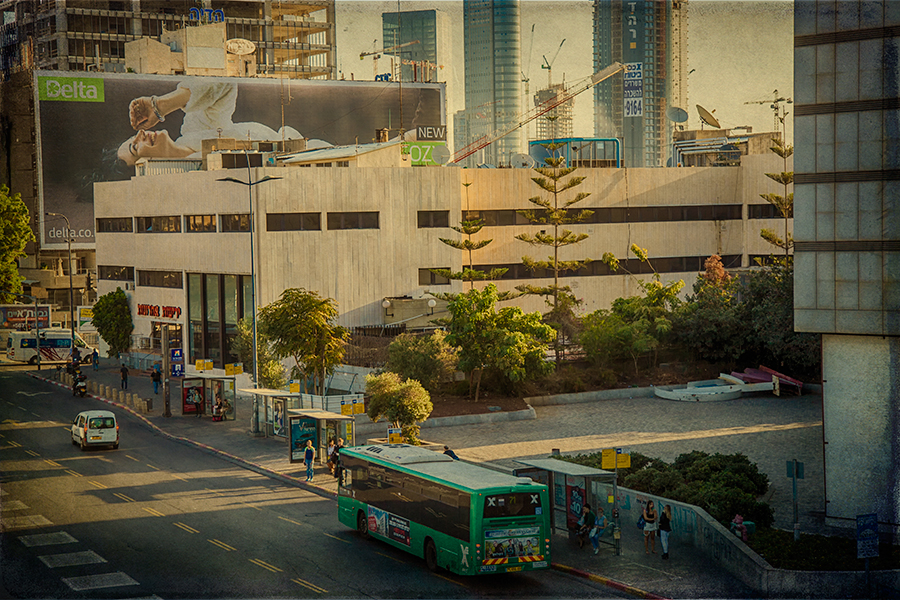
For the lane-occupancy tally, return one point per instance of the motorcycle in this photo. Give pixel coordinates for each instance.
(80, 386)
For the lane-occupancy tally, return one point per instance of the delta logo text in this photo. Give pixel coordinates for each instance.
(70, 89)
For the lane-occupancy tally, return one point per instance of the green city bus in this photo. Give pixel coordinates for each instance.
(458, 516)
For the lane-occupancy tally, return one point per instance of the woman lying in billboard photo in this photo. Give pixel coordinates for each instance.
(208, 108)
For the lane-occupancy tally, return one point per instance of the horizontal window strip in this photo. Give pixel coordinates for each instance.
(667, 264)
(851, 35)
(828, 108)
(633, 214)
(848, 246)
(847, 176)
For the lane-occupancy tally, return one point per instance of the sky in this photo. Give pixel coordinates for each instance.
(738, 52)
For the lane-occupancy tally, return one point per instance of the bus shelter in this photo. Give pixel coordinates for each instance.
(571, 486)
(274, 404)
(199, 392)
(319, 426)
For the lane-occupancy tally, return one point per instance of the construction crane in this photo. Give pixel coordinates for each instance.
(775, 105)
(376, 54)
(525, 78)
(548, 64)
(537, 111)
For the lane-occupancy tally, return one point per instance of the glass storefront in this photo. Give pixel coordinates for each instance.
(216, 302)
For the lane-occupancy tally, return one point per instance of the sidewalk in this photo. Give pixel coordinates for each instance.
(687, 574)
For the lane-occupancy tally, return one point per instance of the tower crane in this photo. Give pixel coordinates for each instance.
(548, 64)
(525, 78)
(775, 105)
(376, 54)
(541, 109)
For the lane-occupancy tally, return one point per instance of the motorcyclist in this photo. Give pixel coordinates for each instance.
(80, 378)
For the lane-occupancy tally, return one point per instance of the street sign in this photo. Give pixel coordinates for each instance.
(347, 407)
(294, 387)
(395, 435)
(177, 355)
(234, 368)
(359, 406)
(178, 370)
(612, 458)
(790, 469)
(867, 536)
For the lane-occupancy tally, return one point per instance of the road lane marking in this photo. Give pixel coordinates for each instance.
(187, 528)
(97, 484)
(334, 537)
(93, 582)
(74, 473)
(265, 565)
(37, 415)
(13, 444)
(72, 559)
(180, 477)
(450, 580)
(222, 545)
(152, 467)
(25, 522)
(14, 505)
(290, 521)
(309, 585)
(123, 497)
(47, 539)
(153, 511)
(52, 463)
(390, 557)
(132, 458)
(32, 453)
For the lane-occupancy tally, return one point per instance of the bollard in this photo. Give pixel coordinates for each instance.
(106, 391)
(149, 402)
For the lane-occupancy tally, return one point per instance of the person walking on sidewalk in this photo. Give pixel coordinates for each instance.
(124, 372)
(156, 377)
(650, 527)
(95, 360)
(665, 527)
(309, 455)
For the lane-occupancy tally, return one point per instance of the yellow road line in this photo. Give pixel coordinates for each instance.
(74, 473)
(180, 477)
(390, 557)
(334, 537)
(132, 458)
(32, 453)
(290, 521)
(13, 444)
(153, 511)
(450, 580)
(265, 565)
(309, 585)
(187, 528)
(152, 467)
(52, 463)
(123, 497)
(37, 415)
(97, 484)
(222, 545)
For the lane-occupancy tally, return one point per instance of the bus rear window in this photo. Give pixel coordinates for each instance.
(520, 504)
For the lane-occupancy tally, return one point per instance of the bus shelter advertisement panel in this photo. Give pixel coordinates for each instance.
(302, 429)
(93, 127)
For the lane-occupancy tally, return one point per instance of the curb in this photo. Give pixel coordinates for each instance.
(616, 585)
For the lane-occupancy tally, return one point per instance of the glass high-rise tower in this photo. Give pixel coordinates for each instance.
(422, 61)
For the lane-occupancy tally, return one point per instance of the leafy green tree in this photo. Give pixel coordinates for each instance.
(427, 359)
(467, 228)
(112, 318)
(300, 325)
(783, 202)
(507, 342)
(271, 371)
(709, 322)
(555, 214)
(16, 233)
(404, 404)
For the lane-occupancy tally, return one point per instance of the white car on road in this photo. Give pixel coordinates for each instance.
(95, 428)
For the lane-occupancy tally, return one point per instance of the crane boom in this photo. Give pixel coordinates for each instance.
(362, 55)
(541, 109)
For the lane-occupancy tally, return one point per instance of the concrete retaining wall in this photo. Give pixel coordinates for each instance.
(693, 525)
(366, 428)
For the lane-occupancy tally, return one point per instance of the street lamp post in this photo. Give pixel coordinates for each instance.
(254, 418)
(71, 288)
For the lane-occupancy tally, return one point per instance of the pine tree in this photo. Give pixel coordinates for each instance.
(555, 213)
(784, 203)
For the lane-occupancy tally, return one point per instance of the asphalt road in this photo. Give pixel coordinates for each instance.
(157, 518)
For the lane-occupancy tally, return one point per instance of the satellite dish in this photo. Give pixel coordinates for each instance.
(440, 154)
(522, 161)
(678, 115)
(708, 118)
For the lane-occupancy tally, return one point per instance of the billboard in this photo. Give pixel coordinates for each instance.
(87, 125)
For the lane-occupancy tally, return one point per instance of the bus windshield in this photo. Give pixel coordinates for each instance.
(519, 504)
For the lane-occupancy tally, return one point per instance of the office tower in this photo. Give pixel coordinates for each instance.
(847, 244)
(424, 40)
(557, 122)
(649, 37)
(291, 38)
(492, 49)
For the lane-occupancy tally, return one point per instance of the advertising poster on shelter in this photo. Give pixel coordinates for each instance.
(92, 127)
(302, 429)
(192, 398)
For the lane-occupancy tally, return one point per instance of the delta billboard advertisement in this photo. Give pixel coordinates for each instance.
(92, 128)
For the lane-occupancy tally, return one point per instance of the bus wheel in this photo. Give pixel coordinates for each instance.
(431, 556)
(362, 525)
(32, 360)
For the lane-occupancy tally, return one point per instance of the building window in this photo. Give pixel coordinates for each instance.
(342, 163)
(117, 225)
(293, 222)
(763, 211)
(426, 277)
(323, 164)
(165, 279)
(434, 218)
(352, 220)
(170, 224)
(111, 273)
(234, 222)
(200, 223)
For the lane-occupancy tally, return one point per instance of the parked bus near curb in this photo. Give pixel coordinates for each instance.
(458, 516)
(56, 345)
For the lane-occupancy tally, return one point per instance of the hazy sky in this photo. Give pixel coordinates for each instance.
(739, 51)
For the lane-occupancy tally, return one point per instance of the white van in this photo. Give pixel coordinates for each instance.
(56, 345)
(95, 428)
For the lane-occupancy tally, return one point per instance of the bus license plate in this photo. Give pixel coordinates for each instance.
(513, 569)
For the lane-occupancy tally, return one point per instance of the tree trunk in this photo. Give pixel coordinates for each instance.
(478, 384)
